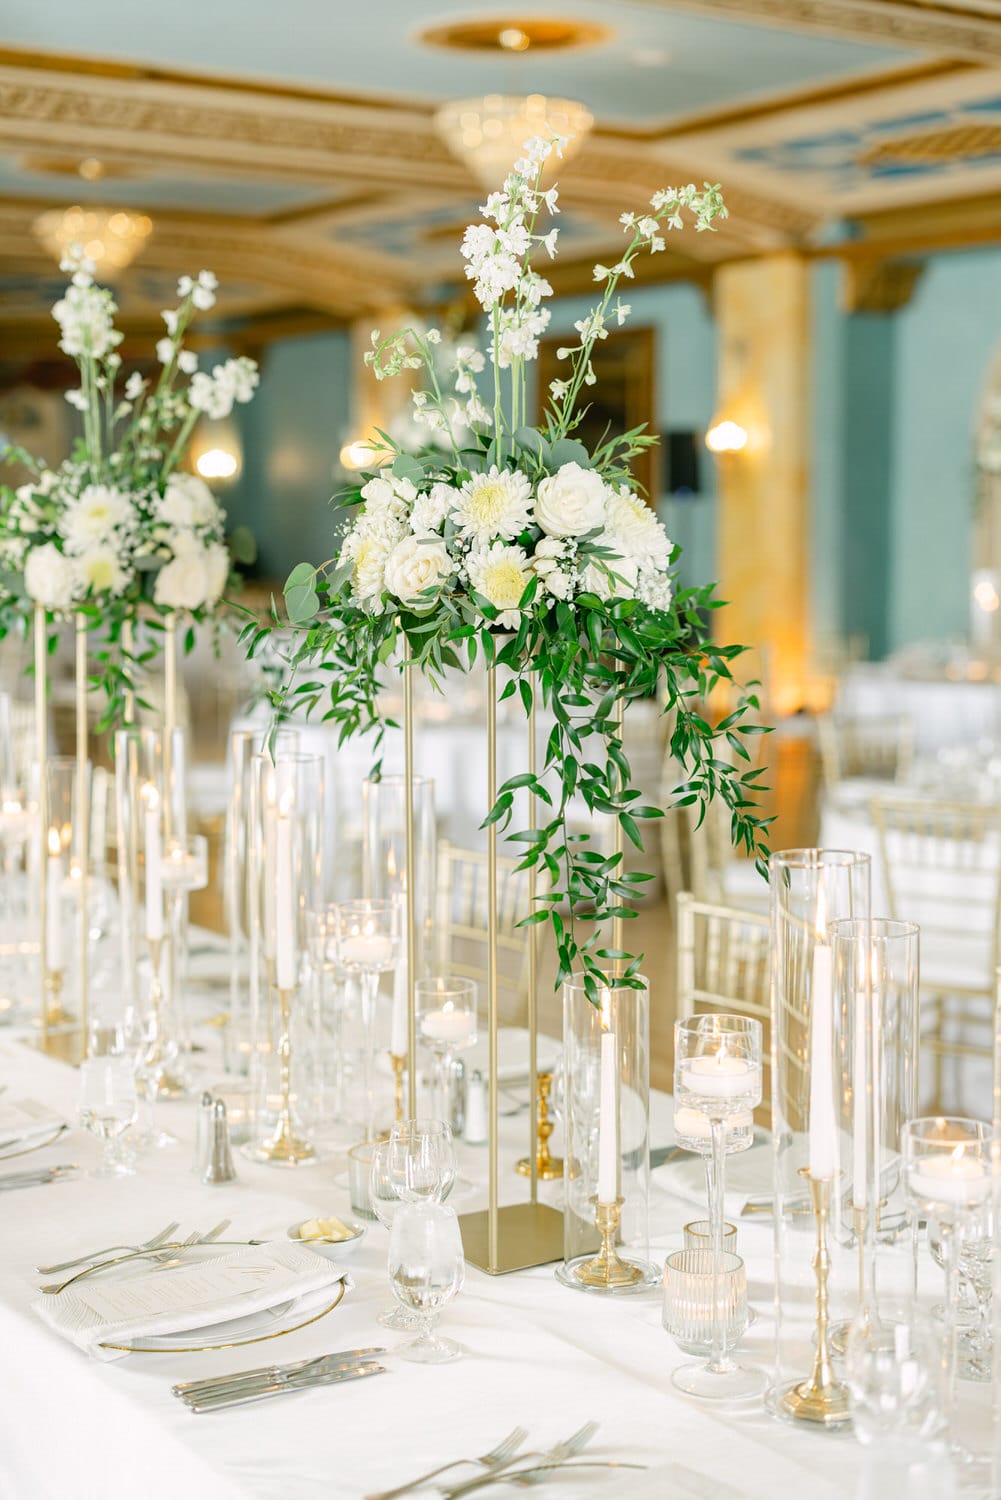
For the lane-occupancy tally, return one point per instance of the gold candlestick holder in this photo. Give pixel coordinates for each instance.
(547, 1167)
(56, 1015)
(822, 1399)
(399, 1068)
(607, 1271)
(284, 1147)
(157, 1054)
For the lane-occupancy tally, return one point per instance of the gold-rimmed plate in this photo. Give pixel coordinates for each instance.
(255, 1328)
(33, 1143)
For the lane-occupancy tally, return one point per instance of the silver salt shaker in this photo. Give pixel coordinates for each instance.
(203, 1129)
(219, 1165)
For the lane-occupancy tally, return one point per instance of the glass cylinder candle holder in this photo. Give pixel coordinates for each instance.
(384, 857)
(244, 745)
(368, 946)
(326, 1045)
(812, 1154)
(606, 1095)
(287, 884)
(185, 869)
(61, 866)
(446, 1025)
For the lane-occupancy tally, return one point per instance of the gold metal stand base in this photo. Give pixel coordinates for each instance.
(528, 1234)
(284, 1150)
(825, 1405)
(170, 1087)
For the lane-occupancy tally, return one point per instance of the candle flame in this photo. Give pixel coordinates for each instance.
(821, 916)
(150, 796)
(287, 802)
(958, 1154)
(448, 1007)
(55, 843)
(606, 1008)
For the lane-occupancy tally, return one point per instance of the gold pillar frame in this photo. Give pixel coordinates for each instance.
(41, 650)
(81, 824)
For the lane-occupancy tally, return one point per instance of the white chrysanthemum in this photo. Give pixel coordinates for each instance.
(415, 565)
(49, 577)
(572, 501)
(100, 570)
(635, 529)
(188, 501)
(498, 504)
(366, 547)
(501, 574)
(430, 510)
(96, 514)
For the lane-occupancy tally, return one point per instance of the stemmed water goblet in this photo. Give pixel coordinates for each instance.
(427, 1269)
(947, 1175)
(415, 1163)
(367, 946)
(718, 1075)
(108, 1107)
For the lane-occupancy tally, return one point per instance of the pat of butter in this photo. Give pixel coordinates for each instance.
(325, 1229)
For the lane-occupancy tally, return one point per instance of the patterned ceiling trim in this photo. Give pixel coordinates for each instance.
(962, 142)
(962, 30)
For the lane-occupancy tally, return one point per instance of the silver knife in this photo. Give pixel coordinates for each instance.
(193, 1388)
(36, 1178)
(304, 1382)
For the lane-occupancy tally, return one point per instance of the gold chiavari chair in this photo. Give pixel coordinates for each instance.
(941, 868)
(723, 963)
(461, 925)
(879, 748)
(699, 858)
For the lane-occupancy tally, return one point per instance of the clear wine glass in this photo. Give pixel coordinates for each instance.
(427, 1269)
(108, 1107)
(718, 1075)
(421, 1160)
(385, 1204)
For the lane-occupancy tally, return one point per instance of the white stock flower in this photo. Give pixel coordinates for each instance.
(497, 504)
(49, 577)
(134, 386)
(635, 530)
(165, 350)
(214, 394)
(415, 565)
(571, 501)
(84, 316)
(500, 574)
(188, 502)
(187, 361)
(96, 513)
(430, 510)
(100, 570)
(654, 588)
(78, 399)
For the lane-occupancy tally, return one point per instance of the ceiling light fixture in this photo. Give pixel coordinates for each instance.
(111, 238)
(489, 134)
(217, 463)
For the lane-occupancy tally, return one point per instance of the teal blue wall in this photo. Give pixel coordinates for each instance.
(945, 339)
(292, 433)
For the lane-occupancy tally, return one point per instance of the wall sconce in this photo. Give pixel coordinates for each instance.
(726, 437)
(217, 463)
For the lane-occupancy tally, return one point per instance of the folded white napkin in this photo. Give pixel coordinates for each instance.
(120, 1308)
(21, 1120)
(748, 1176)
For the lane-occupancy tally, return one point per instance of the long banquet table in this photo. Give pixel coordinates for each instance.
(538, 1355)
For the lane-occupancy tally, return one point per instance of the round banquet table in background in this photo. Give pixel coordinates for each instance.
(944, 711)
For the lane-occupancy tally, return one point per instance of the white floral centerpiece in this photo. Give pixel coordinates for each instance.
(118, 524)
(517, 545)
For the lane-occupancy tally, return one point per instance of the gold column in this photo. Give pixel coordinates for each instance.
(81, 823)
(762, 307)
(617, 934)
(41, 646)
(533, 980)
(493, 1144)
(410, 859)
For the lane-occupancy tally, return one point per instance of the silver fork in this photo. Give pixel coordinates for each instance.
(558, 1454)
(497, 1457)
(168, 1261)
(67, 1265)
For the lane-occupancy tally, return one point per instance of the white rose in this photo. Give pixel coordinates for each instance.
(216, 571)
(49, 577)
(571, 501)
(183, 583)
(381, 499)
(415, 565)
(188, 501)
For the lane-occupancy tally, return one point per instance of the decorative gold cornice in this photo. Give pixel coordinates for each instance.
(955, 28)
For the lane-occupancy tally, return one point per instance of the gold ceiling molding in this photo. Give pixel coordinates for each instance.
(962, 30)
(959, 142)
(503, 34)
(879, 286)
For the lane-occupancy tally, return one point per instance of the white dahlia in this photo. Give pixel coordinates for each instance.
(634, 530)
(430, 510)
(498, 504)
(100, 570)
(95, 515)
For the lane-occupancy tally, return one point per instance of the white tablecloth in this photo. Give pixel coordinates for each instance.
(944, 712)
(538, 1355)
